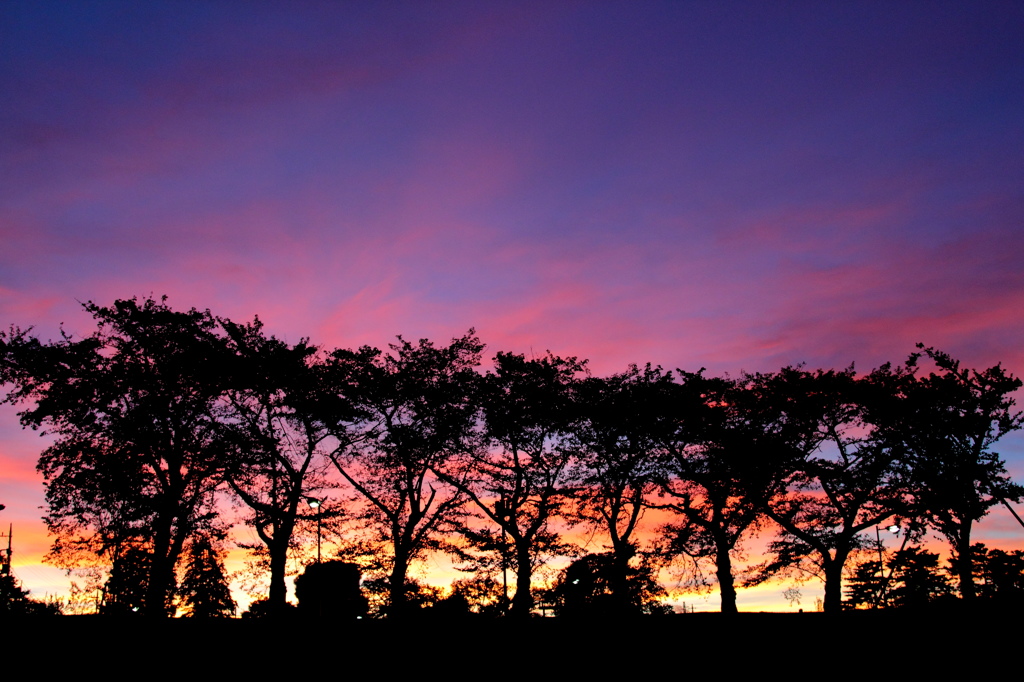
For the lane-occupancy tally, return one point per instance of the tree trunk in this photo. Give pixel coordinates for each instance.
(278, 597)
(278, 548)
(161, 569)
(522, 602)
(398, 606)
(965, 563)
(834, 581)
(622, 552)
(726, 586)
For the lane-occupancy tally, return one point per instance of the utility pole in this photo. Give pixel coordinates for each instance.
(5, 566)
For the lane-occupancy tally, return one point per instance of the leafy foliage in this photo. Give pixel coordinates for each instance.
(589, 587)
(331, 589)
(416, 410)
(158, 412)
(618, 438)
(521, 474)
(849, 479)
(138, 447)
(721, 465)
(911, 578)
(15, 601)
(954, 418)
(272, 388)
(1002, 574)
(481, 594)
(128, 585)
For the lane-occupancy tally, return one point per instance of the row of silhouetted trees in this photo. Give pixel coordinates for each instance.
(159, 414)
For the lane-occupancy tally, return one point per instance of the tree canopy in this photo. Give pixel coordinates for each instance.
(159, 416)
(416, 410)
(139, 446)
(955, 416)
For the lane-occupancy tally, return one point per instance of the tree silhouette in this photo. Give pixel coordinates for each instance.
(15, 601)
(204, 591)
(481, 594)
(592, 587)
(521, 474)
(955, 416)
(157, 410)
(1001, 573)
(272, 389)
(868, 586)
(912, 578)
(849, 478)
(331, 589)
(617, 443)
(916, 578)
(127, 587)
(416, 410)
(721, 466)
(139, 447)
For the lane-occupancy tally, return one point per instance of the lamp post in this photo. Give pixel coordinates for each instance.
(884, 583)
(316, 504)
(502, 511)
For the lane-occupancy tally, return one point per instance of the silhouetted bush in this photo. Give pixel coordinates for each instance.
(331, 589)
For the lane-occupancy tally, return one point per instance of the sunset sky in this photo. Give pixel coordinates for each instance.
(733, 185)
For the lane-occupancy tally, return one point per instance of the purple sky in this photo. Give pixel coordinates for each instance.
(729, 185)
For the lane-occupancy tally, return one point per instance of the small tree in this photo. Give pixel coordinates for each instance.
(867, 586)
(1002, 574)
(912, 578)
(204, 591)
(591, 586)
(481, 594)
(331, 589)
(15, 601)
(916, 578)
(128, 584)
(997, 574)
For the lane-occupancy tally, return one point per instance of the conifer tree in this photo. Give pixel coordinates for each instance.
(204, 592)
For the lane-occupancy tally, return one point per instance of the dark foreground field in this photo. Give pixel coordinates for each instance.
(762, 644)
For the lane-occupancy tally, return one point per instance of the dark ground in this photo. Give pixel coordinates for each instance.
(750, 644)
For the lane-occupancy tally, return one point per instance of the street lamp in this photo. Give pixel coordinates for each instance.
(884, 586)
(505, 514)
(316, 504)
